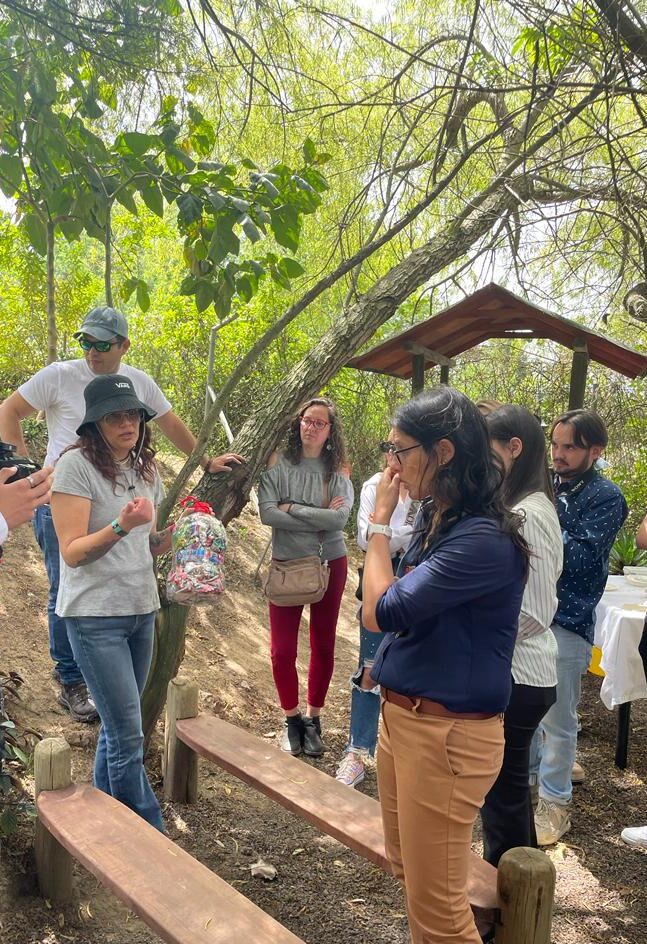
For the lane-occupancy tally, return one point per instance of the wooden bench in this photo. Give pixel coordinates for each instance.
(351, 817)
(173, 893)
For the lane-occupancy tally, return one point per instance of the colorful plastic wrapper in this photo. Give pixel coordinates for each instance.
(199, 545)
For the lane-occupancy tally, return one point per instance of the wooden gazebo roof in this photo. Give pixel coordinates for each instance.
(492, 312)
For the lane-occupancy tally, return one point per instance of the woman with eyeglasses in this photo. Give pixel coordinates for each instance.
(306, 495)
(104, 495)
(518, 440)
(449, 625)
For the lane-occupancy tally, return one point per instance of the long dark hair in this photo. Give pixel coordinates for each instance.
(96, 450)
(529, 471)
(334, 459)
(470, 483)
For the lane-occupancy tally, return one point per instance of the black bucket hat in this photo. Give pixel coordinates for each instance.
(111, 393)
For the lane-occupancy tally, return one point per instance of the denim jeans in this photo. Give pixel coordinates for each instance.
(553, 748)
(364, 703)
(59, 644)
(114, 653)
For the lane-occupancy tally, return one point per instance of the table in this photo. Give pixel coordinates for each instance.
(619, 626)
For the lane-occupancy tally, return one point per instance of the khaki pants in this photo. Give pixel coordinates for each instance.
(433, 775)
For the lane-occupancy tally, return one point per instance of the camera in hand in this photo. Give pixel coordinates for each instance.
(24, 465)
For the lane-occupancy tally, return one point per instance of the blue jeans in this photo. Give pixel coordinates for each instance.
(553, 748)
(59, 644)
(114, 653)
(364, 703)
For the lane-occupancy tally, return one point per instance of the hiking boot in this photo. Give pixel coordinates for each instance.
(351, 769)
(292, 739)
(76, 699)
(577, 774)
(313, 746)
(635, 836)
(552, 821)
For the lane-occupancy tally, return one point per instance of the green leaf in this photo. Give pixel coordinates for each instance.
(189, 208)
(152, 197)
(250, 230)
(216, 201)
(129, 286)
(279, 277)
(42, 88)
(10, 174)
(249, 164)
(309, 151)
(178, 160)
(222, 300)
(143, 298)
(241, 205)
(291, 267)
(71, 228)
(245, 287)
(266, 183)
(203, 295)
(134, 142)
(124, 196)
(285, 226)
(92, 108)
(36, 232)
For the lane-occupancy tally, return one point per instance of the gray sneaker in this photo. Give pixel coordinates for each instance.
(76, 699)
(552, 821)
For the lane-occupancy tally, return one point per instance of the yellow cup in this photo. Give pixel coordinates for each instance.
(594, 667)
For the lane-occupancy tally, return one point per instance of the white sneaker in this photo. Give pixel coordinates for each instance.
(552, 820)
(351, 770)
(635, 836)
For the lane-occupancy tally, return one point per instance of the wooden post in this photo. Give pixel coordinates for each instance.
(52, 771)
(180, 762)
(418, 373)
(579, 367)
(526, 887)
(444, 373)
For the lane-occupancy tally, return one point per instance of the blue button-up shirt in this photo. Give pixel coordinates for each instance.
(591, 510)
(451, 621)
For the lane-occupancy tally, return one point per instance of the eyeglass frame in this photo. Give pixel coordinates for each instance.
(129, 415)
(308, 422)
(87, 345)
(389, 449)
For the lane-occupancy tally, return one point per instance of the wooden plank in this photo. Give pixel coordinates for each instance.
(349, 816)
(173, 893)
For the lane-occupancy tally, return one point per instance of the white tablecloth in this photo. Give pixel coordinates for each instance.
(618, 629)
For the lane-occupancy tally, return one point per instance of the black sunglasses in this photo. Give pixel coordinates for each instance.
(101, 346)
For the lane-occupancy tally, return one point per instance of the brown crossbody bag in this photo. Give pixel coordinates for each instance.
(300, 581)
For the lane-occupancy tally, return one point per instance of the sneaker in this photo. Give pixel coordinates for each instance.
(351, 770)
(76, 699)
(313, 746)
(534, 795)
(552, 820)
(577, 774)
(635, 836)
(292, 739)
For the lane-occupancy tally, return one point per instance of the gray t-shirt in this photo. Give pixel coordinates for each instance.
(296, 533)
(122, 582)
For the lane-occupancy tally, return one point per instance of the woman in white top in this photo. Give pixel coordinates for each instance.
(365, 695)
(518, 440)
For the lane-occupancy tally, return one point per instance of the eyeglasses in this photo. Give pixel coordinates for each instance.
(392, 450)
(101, 346)
(116, 419)
(316, 424)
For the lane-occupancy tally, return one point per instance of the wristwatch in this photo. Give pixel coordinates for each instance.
(380, 529)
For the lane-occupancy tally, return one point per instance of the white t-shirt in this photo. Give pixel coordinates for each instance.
(58, 390)
(4, 530)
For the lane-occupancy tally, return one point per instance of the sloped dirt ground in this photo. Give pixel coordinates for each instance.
(323, 893)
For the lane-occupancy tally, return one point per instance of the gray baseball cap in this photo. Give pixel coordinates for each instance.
(103, 324)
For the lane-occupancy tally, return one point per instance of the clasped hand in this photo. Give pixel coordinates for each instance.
(136, 512)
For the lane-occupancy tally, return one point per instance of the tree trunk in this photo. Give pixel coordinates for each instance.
(52, 336)
(170, 628)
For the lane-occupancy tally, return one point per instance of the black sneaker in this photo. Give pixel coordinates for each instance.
(292, 740)
(313, 746)
(76, 699)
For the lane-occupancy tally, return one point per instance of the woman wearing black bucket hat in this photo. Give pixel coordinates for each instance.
(105, 491)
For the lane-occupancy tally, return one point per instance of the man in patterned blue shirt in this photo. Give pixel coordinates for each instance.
(591, 511)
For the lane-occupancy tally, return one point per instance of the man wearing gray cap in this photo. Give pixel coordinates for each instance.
(58, 391)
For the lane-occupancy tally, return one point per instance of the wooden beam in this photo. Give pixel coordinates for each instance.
(417, 374)
(579, 368)
(444, 374)
(180, 762)
(52, 771)
(428, 353)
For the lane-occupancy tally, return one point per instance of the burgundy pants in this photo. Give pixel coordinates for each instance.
(284, 633)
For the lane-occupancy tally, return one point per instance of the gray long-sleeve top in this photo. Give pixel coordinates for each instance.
(297, 533)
